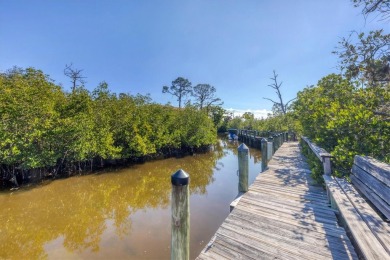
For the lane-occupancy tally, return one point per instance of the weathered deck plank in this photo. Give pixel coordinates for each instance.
(282, 216)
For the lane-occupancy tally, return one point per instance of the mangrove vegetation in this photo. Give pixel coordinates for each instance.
(48, 132)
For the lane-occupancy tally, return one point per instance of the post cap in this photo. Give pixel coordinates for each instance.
(325, 154)
(180, 178)
(242, 147)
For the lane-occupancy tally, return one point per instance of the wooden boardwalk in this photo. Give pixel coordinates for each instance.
(282, 216)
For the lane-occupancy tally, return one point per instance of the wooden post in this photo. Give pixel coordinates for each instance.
(264, 154)
(271, 149)
(243, 167)
(326, 163)
(274, 144)
(180, 237)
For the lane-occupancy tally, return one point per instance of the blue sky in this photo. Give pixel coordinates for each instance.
(140, 46)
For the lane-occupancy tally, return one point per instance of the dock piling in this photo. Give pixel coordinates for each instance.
(180, 237)
(264, 154)
(271, 149)
(243, 168)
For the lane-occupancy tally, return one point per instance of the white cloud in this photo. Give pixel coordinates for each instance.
(259, 113)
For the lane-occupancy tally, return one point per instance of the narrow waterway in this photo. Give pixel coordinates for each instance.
(123, 214)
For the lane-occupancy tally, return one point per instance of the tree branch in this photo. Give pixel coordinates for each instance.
(290, 101)
(277, 87)
(272, 101)
(378, 113)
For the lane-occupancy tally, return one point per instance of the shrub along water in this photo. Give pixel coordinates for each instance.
(346, 119)
(45, 131)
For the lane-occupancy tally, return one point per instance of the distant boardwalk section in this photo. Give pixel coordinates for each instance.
(282, 216)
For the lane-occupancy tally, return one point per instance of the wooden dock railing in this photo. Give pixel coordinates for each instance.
(321, 154)
(253, 138)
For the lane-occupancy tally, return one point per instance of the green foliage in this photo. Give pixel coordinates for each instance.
(43, 126)
(236, 123)
(216, 113)
(344, 120)
(366, 57)
(282, 122)
(196, 128)
(28, 115)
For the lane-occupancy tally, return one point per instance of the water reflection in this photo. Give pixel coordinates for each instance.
(89, 216)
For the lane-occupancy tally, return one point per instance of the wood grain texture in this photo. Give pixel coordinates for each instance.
(180, 226)
(379, 203)
(243, 167)
(379, 170)
(377, 226)
(370, 247)
(282, 216)
(381, 189)
(372, 178)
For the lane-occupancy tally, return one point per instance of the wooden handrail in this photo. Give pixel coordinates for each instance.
(321, 154)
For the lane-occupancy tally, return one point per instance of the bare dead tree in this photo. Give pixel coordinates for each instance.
(75, 76)
(280, 104)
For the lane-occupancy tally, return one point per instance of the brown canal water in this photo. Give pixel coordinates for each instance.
(123, 214)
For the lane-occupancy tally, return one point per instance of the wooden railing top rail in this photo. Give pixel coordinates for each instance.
(318, 151)
(321, 154)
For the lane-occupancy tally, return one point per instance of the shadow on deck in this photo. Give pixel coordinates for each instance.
(284, 215)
